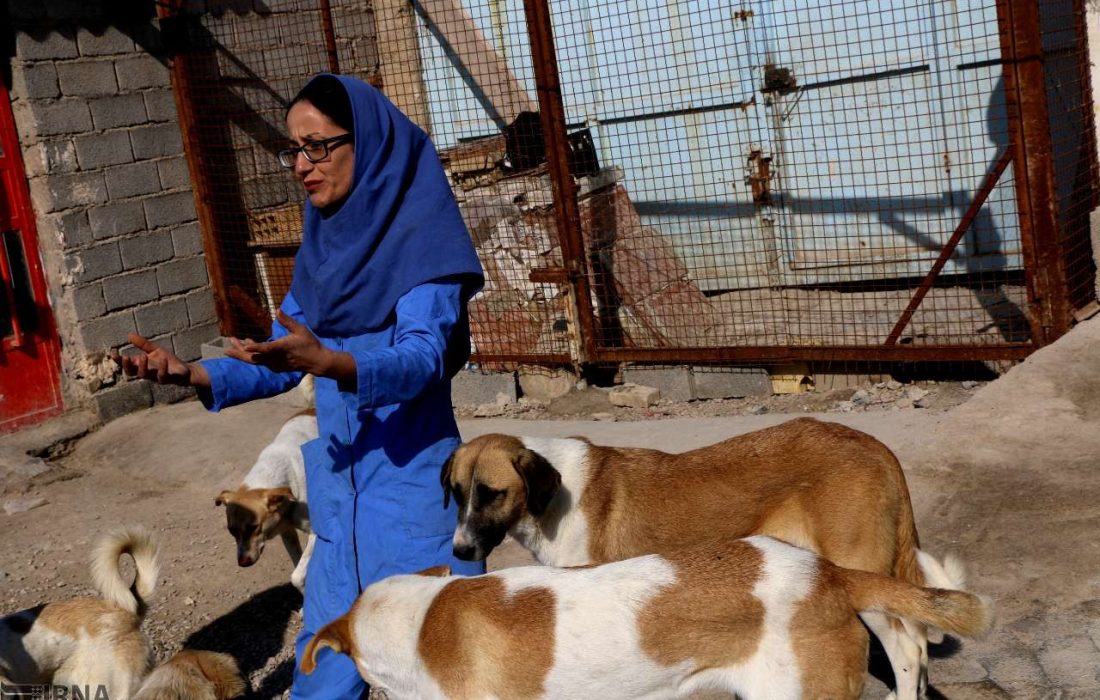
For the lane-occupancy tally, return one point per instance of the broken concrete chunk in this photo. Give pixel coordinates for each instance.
(634, 396)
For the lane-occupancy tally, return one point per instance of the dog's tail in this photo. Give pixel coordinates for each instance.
(336, 635)
(139, 544)
(959, 612)
(950, 574)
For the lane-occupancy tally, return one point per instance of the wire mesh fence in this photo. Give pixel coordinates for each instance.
(752, 180)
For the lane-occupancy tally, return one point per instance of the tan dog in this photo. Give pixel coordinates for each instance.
(271, 500)
(194, 675)
(823, 486)
(88, 643)
(756, 617)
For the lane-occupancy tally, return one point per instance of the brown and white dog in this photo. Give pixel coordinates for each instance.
(755, 617)
(89, 643)
(272, 501)
(194, 675)
(831, 489)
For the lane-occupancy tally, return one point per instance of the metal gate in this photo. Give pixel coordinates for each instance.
(755, 181)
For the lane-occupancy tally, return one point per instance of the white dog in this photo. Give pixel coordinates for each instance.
(272, 499)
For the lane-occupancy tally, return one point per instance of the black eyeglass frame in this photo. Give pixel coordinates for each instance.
(288, 157)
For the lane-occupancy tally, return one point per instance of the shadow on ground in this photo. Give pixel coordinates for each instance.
(252, 633)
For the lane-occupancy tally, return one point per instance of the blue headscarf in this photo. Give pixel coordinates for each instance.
(398, 227)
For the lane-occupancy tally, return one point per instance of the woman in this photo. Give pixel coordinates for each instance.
(377, 313)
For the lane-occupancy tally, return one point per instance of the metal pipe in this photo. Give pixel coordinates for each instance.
(566, 210)
(184, 94)
(1036, 196)
(952, 243)
(330, 37)
(851, 353)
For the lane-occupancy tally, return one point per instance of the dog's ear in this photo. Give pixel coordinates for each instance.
(223, 498)
(336, 635)
(442, 571)
(279, 498)
(539, 478)
(445, 477)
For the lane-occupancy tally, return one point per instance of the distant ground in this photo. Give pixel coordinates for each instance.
(1005, 474)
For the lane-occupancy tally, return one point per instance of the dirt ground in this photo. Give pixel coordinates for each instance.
(1003, 474)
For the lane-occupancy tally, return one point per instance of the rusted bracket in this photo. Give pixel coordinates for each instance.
(952, 243)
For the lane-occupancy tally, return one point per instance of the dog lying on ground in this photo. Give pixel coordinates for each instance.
(272, 502)
(194, 675)
(755, 617)
(88, 642)
(831, 489)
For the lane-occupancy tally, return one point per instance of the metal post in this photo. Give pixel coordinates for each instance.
(330, 37)
(566, 210)
(1036, 197)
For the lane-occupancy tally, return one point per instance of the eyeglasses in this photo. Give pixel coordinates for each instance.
(314, 151)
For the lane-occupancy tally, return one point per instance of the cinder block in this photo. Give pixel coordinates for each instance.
(88, 302)
(103, 41)
(118, 110)
(74, 9)
(44, 46)
(166, 316)
(546, 384)
(674, 383)
(72, 228)
(117, 219)
(132, 179)
(66, 116)
(141, 73)
(50, 157)
(731, 382)
(187, 239)
(35, 81)
(156, 141)
(122, 399)
(145, 249)
(200, 307)
(65, 191)
(160, 105)
(169, 209)
(188, 344)
(130, 289)
(170, 393)
(108, 331)
(174, 173)
(94, 263)
(87, 78)
(474, 388)
(101, 150)
(181, 275)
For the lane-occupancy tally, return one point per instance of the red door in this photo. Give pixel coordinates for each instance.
(30, 388)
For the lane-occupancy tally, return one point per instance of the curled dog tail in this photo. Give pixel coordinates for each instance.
(139, 544)
(336, 635)
(959, 612)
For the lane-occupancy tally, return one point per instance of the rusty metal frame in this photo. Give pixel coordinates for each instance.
(184, 94)
(1026, 103)
(566, 210)
(1049, 312)
(952, 243)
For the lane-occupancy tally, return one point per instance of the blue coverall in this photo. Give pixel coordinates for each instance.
(372, 476)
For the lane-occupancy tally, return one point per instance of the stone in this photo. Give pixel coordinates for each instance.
(22, 505)
(489, 410)
(546, 384)
(634, 396)
(473, 388)
(603, 416)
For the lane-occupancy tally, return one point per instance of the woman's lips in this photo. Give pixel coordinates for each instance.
(311, 185)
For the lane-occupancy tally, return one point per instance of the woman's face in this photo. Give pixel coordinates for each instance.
(327, 181)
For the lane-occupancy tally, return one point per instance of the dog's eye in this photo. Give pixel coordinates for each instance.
(487, 495)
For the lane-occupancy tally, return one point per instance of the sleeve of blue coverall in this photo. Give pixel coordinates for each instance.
(426, 315)
(234, 382)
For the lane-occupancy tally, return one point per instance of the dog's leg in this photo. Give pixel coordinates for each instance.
(919, 634)
(298, 577)
(902, 650)
(293, 546)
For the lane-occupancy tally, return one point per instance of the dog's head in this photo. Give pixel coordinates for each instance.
(254, 516)
(496, 481)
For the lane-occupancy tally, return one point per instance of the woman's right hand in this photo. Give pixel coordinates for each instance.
(160, 365)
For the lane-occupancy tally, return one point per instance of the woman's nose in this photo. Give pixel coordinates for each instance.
(302, 164)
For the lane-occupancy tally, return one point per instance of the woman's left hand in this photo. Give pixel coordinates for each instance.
(297, 351)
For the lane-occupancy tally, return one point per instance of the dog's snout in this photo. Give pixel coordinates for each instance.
(245, 560)
(466, 552)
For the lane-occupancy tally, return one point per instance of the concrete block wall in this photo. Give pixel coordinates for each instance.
(111, 191)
